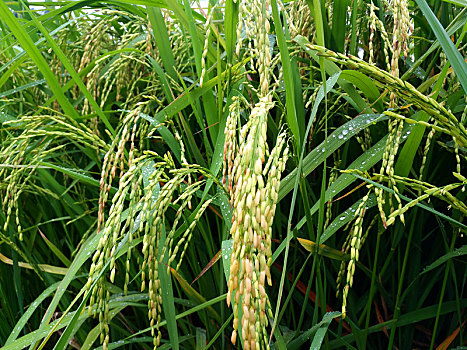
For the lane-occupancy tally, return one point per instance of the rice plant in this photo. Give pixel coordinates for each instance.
(238, 174)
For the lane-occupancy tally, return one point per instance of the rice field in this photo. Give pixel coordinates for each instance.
(233, 174)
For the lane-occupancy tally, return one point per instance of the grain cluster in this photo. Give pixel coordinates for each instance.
(253, 182)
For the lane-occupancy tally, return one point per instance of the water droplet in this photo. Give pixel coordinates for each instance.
(345, 132)
(341, 136)
(342, 218)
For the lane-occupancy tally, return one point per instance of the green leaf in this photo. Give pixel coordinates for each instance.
(183, 100)
(55, 250)
(453, 55)
(208, 101)
(85, 252)
(200, 338)
(298, 342)
(405, 159)
(462, 3)
(30, 310)
(77, 175)
(451, 255)
(74, 75)
(321, 331)
(335, 140)
(292, 119)
(193, 294)
(323, 250)
(412, 317)
(161, 37)
(453, 27)
(26, 42)
(227, 248)
(331, 68)
(35, 336)
(230, 28)
(365, 84)
(22, 87)
(339, 13)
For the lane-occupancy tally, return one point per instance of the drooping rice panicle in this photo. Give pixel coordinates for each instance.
(254, 190)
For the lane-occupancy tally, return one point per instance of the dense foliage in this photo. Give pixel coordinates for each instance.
(243, 174)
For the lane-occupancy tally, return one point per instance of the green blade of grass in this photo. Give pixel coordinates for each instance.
(35, 336)
(230, 28)
(200, 339)
(365, 84)
(5, 76)
(208, 101)
(455, 25)
(335, 140)
(292, 118)
(85, 252)
(193, 294)
(75, 174)
(345, 80)
(44, 17)
(82, 256)
(462, 3)
(74, 75)
(28, 313)
(56, 251)
(322, 329)
(297, 343)
(181, 315)
(451, 255)
(453, 55)
(339, 13)
(26, 42)
(161, 37)
(407, 155)
(22, 87)
(404, 320)
(323, 250)
(183, 100)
